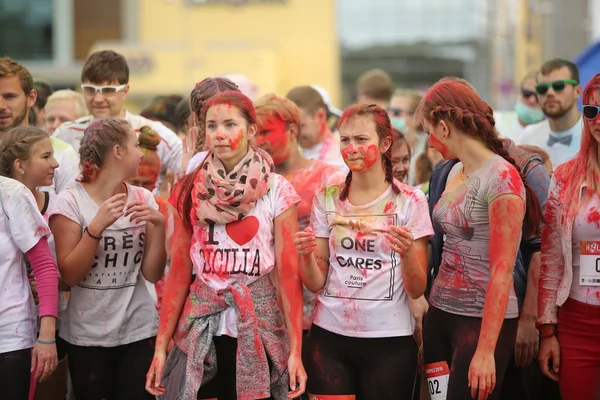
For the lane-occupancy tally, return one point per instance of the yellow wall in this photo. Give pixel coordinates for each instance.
(528, 51)
(277, 46)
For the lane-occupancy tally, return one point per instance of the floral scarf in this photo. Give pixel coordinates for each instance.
(221, 197)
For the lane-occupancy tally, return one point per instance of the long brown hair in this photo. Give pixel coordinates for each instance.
(384, 130)
(455, 101)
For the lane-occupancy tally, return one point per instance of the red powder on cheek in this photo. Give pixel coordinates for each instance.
(439, 146)
(237, 141)
(369, 155)
(277, 141)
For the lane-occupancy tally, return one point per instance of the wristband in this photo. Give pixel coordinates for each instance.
(86, 230)
(548, 335)
(46, 341)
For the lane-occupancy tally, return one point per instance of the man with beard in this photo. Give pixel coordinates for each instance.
(17, 97)
(557, 90)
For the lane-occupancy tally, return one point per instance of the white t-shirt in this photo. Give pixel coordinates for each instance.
(364, 294)
(328, 151)
(241, 251)
(538, 135)
(169, 149)
(111, 306)
(22, 227)
(508, 125)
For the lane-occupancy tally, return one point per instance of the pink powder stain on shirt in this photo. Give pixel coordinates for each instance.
(593, 217)
(389, 207)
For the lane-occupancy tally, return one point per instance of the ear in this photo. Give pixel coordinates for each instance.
(385, 144)
(321, 116)
(17, 167)
(31, 98)
(118, 152)
(445, 128)
(294, 131)
(252, 129)
(577, 91)
(126, 91)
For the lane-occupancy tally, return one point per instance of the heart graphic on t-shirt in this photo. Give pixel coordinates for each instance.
(242, 231)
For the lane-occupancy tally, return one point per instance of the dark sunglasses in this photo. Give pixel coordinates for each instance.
(527, 93)
(557, 86)
(590, 112)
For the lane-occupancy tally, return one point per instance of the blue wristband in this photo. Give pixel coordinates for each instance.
(47, 341)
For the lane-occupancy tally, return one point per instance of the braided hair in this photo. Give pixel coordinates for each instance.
(384, 130)
(16, 144)
(454, 100)
(98, 140)
(201, 93)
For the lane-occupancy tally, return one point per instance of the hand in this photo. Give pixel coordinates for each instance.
(189, 147)
(421, 361)
(418, 308)
(305, 241)
(550, 350)
(401, 239)
(482, 374)
(140, 211)
(43, 360)
(154, 375)
(110, 211)
(297, 376)
(527, 345)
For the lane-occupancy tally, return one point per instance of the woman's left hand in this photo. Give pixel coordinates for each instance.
(482, 375)
(141, 211)
(43, 360)
(401, 239)
(297, 376)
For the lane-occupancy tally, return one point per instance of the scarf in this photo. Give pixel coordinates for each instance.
(220, 197)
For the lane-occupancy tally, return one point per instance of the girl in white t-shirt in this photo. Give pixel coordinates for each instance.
(30, 160)
(234, 224)
(24, 235)
(110, 238)
(365, 254)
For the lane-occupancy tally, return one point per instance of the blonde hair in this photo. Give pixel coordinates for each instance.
(16, 144)
(375, 84)
(273, 106)
(75, 97)
(414, 96)
(307, 98)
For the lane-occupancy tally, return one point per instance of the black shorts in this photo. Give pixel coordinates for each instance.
(15, 375)
(453, 338)
(370, 368)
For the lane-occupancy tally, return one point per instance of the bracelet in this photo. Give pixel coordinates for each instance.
(86, 230)
(46, 341)
(549, 335)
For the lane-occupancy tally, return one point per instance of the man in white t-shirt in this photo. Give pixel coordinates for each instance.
(557, 89)
(105, 85)
(17, 97)
(511, 124)
(316, 140)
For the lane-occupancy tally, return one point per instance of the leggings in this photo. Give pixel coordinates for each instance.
(370, 368)
(579, 339)
(111, 373)
(15, 374)
(453, 338)
(222, 387)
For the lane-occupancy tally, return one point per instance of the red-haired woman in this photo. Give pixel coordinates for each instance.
(365, 254)
(110, 239)
(235, 223)
(471, 326)
(569, 294)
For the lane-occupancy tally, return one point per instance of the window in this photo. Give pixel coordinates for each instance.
(26, 29)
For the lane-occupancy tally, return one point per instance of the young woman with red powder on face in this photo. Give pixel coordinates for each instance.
(365, 254)
(569, 305)
(26, 154)
(147, 176)
(194, 146)
(471, 326)
(235, 222)
(110, 239)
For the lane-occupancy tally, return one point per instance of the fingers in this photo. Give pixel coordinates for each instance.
(473, 382)
(402, 231)
(519, 354)
(555, 363)
(34, 360)
(153, 384)
(305, 242)
(299, 381)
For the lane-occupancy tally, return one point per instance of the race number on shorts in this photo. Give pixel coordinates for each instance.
(437, 375)
(589, 263)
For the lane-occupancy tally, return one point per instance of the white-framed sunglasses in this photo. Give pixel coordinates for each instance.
(92, 90)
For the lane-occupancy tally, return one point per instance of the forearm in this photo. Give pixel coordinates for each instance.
(291, 298)
(494, 309)
(46, 275)
(47, 328)
(78, 263)
(414, 276)
(530, 304)
(155, 253)
(177, 288)
(312, 275)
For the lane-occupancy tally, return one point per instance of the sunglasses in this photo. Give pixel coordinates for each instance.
(557, 86)
(527, 93)
(590, 112)
(91, 90)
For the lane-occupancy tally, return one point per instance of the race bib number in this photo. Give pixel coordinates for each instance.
(589, 263)
(438, 375)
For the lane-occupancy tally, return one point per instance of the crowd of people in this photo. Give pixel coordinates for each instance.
(222, 246)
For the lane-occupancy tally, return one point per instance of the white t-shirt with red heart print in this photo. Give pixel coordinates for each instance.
(241, 251)
(364, 294)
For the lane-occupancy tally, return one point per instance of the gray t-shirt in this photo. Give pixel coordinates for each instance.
(462, 216)
(111, 306)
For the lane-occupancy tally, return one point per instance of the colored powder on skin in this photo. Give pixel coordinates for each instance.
(238, 141)
(439, 146)
(369, 156)
(276, 141)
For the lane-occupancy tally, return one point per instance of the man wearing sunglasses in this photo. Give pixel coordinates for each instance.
(511, 124)
(105, 85)
(557, 90)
